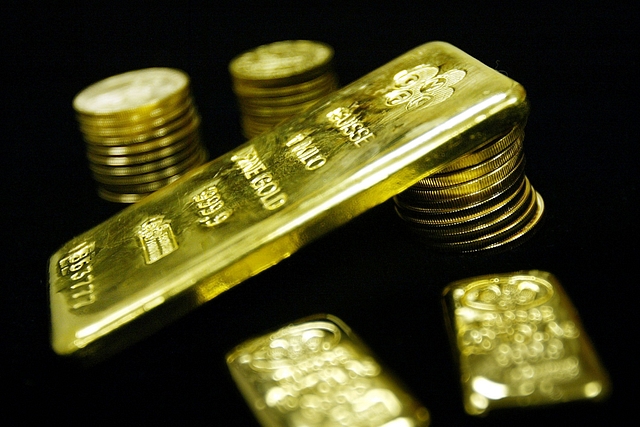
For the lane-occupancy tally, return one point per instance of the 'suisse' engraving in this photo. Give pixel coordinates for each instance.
(348, 121)
(210, 207)
(77, 265)
(261, 180)
(156, 238)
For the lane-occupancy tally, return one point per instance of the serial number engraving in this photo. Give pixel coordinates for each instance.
(261, 180)
(422, 86)
(349, 123)
(77, 266)
(306, 152)
(156, 238)
(210, 207)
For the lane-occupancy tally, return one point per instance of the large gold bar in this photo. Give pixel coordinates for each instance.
(520, 342)
(317, 372)
(259, 203)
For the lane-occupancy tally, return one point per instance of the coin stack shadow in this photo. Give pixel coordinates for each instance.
(276, 81)
(142, 131)
(481, 201)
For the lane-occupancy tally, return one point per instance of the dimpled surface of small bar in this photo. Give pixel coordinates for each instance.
(520, 342)
(316, 373)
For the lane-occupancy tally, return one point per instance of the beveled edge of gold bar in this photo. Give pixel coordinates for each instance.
(264, 358)
(481, 394)
(402, 157)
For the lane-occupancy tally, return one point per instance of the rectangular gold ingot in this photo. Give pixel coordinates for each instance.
(259, 203)
(520, 342)
(316, 372)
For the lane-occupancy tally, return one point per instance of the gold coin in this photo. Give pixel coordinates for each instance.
(417, 197)
(146, 134)
(467, 188)
(133, 128)
(151, 186)
(281, 63)
(448, 216)
(287, 100)
(473, 172)
(525, 221)
(264, 120)
(119, 197)
(156, 175)
(276, 111)
(327, 79)
(131, 92)
(494, 219)
(132, 118)
(146, 167)
(252, 129)
(189, 131)
(486, 150)
(520, 230)
(144, 157)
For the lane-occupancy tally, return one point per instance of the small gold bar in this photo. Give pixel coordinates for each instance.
(317, 372)
(520, 342)
(254, 206)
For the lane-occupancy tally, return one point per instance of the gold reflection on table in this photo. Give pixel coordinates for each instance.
(317, 373)
(520, 342)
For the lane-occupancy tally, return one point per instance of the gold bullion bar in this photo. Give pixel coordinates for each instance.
(520, 342)
(317, 372)
(228, 220)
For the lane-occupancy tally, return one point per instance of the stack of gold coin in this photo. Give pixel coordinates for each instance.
(276, 81)
(481, 201)
(141, 130)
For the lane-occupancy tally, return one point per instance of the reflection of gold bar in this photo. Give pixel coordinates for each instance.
(520, 342)
(254, 206)
(316, 372)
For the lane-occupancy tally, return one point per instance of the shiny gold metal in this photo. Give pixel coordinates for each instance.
(317, 373)
(481, 201)
(278, 80)
(247, 210)
(519, 342)
(291, 61)
(139, 91)
(141, 130)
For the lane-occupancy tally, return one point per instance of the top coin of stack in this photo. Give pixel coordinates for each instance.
(276, 81)
(481, 201)
(141, 130)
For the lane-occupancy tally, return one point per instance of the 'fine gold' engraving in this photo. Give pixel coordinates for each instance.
(156, 238)
(260, 179)
(350, 151)
(316, 373)
(520, 343)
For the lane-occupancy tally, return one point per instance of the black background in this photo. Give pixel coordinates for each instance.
(578, 64)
